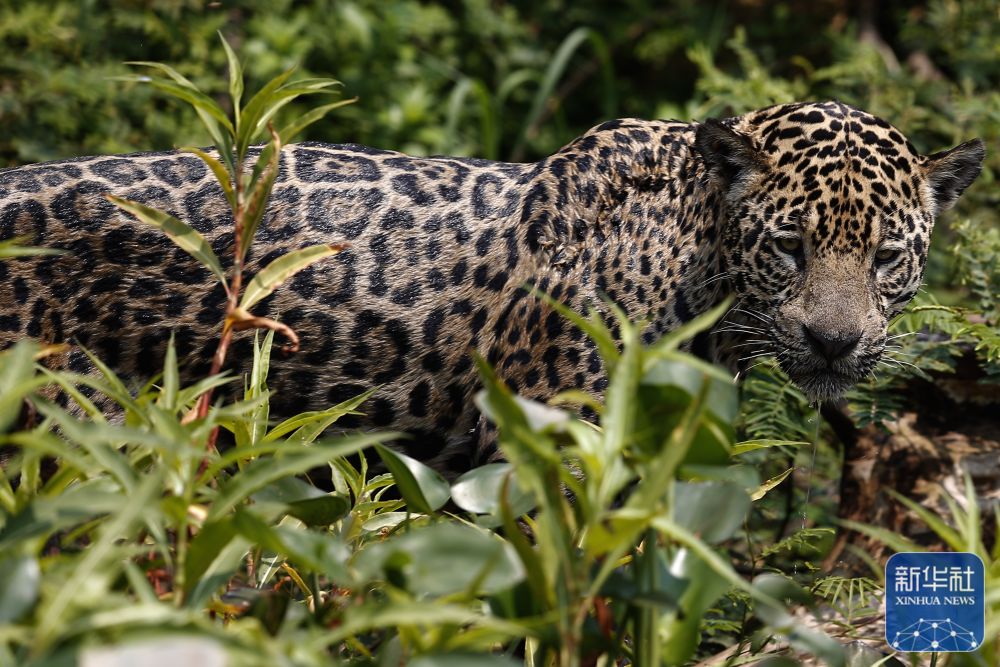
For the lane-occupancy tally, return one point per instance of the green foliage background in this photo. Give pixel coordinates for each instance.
(504, 80)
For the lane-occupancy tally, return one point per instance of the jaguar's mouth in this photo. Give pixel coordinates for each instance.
(823, 384)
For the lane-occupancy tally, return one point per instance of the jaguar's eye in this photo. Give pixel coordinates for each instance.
(885, 256)
(791, 245)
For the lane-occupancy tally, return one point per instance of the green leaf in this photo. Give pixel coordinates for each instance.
(593, 326)
(171, 378)
(311, 550)
(461, 660)
(762, 490)
(260, 106)
(281, 269)
(294, 459)
(308, 425)
(711, 510)
(891, 539)
(951, 536)
(17, 380)
(423, 488)
(197, 99)
(214, 554)
(321, 511)
(479, 490)
(672, 340)
(264, 173)
(290, 131)
(704, 587)
(557, 66)
(20, 580)
(185, 236)
(11, 248)
(442, 559)
(45, 515)
(235, 76)
(223, 177)
(211, 114)
(753, 445)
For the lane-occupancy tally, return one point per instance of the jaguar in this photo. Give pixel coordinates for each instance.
(815, 217)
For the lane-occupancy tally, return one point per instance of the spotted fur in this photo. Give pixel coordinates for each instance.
(794, 209)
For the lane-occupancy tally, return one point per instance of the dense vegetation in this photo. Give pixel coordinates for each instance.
(111, 534)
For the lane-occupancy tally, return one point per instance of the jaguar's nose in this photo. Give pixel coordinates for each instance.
(831, 345)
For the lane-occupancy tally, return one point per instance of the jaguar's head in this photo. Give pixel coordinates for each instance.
(828, 218)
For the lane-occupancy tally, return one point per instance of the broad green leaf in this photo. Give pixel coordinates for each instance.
(711, 510)
(319, 552)
(294, 459)
(462, 660)
(271, 276)
(161, 652)
(185, 236)
(17, 380)
(479, 490)
(680, 629)
(423, 488)
(214, 554)
(619, 420)
(20, 580)
(442, 559)
(320, 511)
(385, 520)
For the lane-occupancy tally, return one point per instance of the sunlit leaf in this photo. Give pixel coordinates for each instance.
(479, 490)
(20, 580)
(423, 488)
(274, 274)
(185, 236)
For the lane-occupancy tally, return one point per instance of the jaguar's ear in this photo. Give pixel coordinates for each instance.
(727, 153)
(950, 172)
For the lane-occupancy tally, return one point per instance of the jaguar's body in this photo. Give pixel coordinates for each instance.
(816, 216)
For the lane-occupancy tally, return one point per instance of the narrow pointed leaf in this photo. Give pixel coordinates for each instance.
(235, 75)
(254, 109)
(265, 171)
(281, 269)
(290, 131)
(185, 236)
(220, 172)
